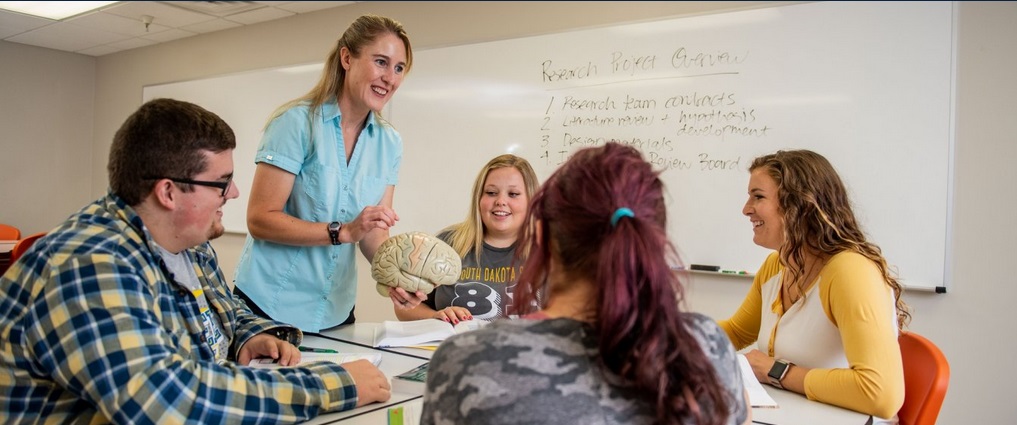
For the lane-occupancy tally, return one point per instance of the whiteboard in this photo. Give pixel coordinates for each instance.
(867, 84)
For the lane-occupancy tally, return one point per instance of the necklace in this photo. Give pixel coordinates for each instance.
(792, 290)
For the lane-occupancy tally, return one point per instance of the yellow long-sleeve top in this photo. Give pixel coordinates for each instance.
(847, 334)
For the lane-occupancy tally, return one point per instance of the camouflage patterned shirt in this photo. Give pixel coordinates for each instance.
(546, 372)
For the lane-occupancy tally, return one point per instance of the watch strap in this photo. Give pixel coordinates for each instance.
(333, 232)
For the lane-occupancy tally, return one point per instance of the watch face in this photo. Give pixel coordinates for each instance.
(777, 371)
(333, 226)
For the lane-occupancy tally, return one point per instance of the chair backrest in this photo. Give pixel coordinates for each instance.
(9, 233)
(926, 377)
(23, 245)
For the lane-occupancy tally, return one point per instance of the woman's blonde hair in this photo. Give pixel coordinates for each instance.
(818, 217)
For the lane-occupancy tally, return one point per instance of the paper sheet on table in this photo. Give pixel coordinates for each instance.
(758, 397)
(305, 358)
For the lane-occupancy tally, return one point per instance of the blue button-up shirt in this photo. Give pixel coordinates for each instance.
(315, 287)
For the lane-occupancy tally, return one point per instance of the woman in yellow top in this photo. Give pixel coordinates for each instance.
(824, 307)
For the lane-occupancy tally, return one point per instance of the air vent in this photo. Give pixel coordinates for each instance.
(216, 8)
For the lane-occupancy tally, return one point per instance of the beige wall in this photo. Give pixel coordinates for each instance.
(46, 103)
(970, 323)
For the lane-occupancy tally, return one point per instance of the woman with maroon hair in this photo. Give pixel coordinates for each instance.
(603, 339)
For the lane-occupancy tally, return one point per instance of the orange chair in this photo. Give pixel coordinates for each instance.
(9, 233)
(23, 245)
(926, 377)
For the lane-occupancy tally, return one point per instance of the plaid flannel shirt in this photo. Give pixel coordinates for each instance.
(94, 329)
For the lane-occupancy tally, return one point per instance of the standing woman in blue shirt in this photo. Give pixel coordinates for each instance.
(325, 178)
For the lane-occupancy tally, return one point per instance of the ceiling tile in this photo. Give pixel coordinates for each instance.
(173, 34)
(163, 14)
(115, 23)
(132, 43)
(259, 15)
(309, 6)
(12, 23)
(217, 8)
(100, 50)
(67, 37)
(210, 26)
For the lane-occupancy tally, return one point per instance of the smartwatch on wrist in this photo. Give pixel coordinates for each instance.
(778, 371)
(333, 232)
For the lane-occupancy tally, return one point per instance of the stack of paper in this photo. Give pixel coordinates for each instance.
(412, 381)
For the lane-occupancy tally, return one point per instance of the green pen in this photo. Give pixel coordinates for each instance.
(316, 350)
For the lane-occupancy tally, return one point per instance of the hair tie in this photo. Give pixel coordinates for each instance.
(619, 213)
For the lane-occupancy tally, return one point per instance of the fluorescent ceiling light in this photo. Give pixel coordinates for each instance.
(56, 10)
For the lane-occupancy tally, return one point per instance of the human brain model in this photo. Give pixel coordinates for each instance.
(414, 261)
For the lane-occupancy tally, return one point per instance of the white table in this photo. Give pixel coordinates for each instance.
(392, 363)
(794, 409)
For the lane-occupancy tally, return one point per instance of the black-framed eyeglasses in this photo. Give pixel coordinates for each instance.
(225, 186)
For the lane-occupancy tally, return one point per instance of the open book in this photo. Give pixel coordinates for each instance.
(758, 397)
(306, 358)
(423, 333)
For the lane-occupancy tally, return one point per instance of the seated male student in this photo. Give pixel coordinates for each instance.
(121, 314)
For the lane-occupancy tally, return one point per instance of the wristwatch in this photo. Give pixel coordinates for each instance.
(778, 371)
(333, 232)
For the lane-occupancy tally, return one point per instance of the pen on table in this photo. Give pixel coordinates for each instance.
(316, 350)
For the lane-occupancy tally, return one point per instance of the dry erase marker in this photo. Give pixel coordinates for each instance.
(734, 271)
(316, 350)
